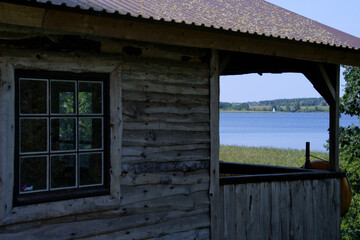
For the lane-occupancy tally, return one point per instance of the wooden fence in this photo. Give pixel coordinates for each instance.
(289, 209)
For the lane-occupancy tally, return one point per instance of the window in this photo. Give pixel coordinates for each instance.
(61, 136)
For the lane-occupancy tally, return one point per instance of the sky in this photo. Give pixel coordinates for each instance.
(343, 15)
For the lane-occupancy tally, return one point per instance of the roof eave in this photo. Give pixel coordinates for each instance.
(90, 22)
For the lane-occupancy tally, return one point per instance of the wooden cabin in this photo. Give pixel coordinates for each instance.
(109, 120)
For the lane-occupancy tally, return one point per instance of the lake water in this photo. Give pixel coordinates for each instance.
(279, 130)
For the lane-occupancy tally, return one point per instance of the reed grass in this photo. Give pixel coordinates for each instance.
(266, 156)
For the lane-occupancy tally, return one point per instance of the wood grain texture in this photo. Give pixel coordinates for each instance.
(7, 136)
(215, 143)
(306, 209)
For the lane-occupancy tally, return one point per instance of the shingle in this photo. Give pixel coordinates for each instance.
(247, 16)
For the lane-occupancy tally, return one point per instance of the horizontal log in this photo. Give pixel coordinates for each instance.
(142, 65)
(171, 156)
(154, 97)
(131, 108)
(148, 86)
(168, 117)
(181, 77)
(138, 151)
(176, 225)
(154, 167)
(95, 227)
(202, 234)
(194, 127)
(163, 137)
(131, 179)
(131, 194)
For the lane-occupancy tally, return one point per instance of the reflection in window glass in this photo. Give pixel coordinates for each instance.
(63, 134)
(90, 130)
(33, 174)
(33, 96)
(63, 171)
(63, 97)
(90, 169)
(90, 97)
(33, 135)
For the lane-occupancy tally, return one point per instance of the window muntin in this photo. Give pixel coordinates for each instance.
(61, 140)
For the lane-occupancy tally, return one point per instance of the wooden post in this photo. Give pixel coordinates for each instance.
(334, 122)
(214, 145)
(307, 156)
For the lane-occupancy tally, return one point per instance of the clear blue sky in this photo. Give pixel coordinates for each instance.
(343, 15)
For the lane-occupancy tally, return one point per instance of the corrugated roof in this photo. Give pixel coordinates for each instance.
(247, 16)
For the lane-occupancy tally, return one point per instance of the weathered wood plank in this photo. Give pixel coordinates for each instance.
(168, 117)
(265, 211)
(229, 212)
(131, 179)
(285, 210)
(171, 156)
(165, 66)
(152, 167)
(308, 210)
(7, 136)
(254, 215)
(146, 192)
(219, 230)
(116, 128)
(139, 151)
(175, 225)
(241, 211)
(194, 127)
(164, 88)
(276, 203)
(32, 16)
(142, 108)
(202, 234)
(179, 77)
(80, 229)
(155, 97)
(163, 137)
(215, 143)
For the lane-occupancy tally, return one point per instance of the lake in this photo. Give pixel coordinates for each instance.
(279, 130)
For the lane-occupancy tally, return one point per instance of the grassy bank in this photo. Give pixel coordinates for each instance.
(266, 156)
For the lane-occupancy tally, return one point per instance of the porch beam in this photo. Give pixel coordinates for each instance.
(326, 79)
(334, 120)
(214, 145)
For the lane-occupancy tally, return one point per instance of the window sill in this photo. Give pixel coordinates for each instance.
(42, 211)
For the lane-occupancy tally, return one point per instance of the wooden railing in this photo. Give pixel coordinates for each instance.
(261, 202)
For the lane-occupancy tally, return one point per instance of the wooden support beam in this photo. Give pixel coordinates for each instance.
(214, 145)
(334, 121)
(169, 33)
(224, 62)
(326, 80)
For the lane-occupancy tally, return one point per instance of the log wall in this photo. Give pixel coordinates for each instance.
(160, 106)
(281, 210)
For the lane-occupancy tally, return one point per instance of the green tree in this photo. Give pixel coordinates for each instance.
(295, 107)
(349, 150)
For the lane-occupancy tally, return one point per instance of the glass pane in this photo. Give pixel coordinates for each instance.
(33, 135)
(63, 171)
(91, 169)
(90, 130)
(90, 97)
(63, 97)
(33, 174)
(33, 96)
(63, 135)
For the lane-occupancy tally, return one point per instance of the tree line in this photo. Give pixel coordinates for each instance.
(280, 105)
